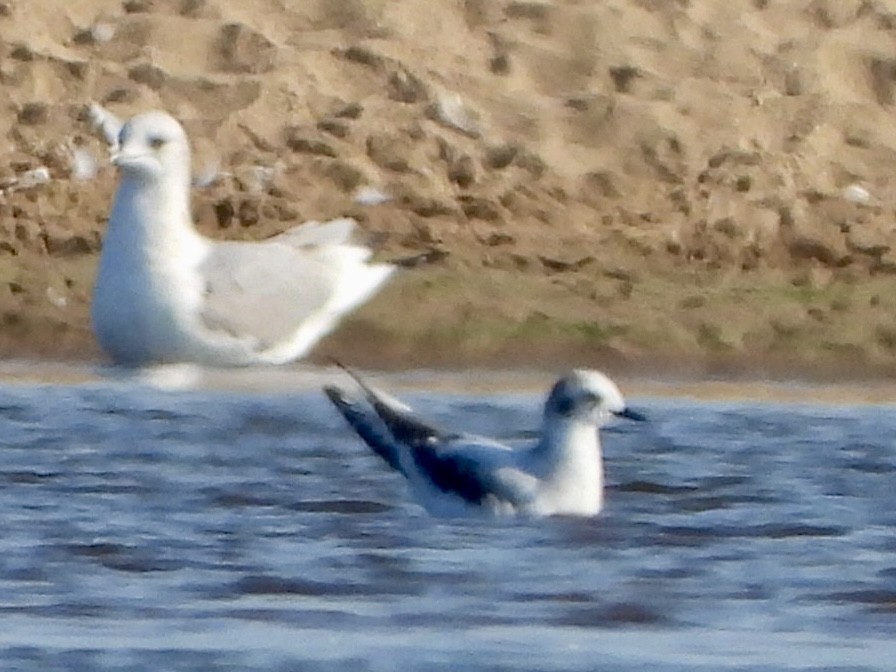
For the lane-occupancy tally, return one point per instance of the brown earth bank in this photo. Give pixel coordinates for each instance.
(691, 186)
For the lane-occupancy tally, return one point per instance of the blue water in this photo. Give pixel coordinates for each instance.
(225, 530)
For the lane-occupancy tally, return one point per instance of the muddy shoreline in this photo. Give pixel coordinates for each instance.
(352, 345)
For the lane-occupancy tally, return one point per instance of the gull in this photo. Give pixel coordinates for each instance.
(106, 122)
(166, 294)
(450, 473)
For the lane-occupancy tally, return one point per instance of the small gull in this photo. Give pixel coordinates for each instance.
(454, 473)
(164, 293)
(107, 123)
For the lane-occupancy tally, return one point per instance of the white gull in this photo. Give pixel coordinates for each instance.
(165, 293)
(455, 473)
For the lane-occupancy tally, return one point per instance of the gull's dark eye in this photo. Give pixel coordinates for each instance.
(591, 398)
(156, 142)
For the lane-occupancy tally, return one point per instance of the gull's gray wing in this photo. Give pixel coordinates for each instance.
(455, 472)
(334, 232)
(446, 459)
(401, 421)
(263, 290)
(392, 433)
(368, 426)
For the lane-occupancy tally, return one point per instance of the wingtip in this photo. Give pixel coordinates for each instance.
(356, 377)
(431, 256)
(334, 394)
(337, 363)
(342, 401)
(367, 426)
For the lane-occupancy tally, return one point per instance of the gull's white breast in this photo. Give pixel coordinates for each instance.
(147, 290)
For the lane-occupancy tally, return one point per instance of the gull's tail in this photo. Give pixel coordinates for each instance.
(357, 281)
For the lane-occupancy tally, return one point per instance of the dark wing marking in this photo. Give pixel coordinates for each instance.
(449, 472)
(452, 473)
(404, 426)
(369, 427)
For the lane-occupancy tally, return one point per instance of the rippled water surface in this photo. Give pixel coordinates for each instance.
(227, 530)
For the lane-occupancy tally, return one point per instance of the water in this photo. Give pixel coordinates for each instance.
(249, 530)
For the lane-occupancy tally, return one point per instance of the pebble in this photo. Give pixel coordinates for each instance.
(450, 110)
(371, 196)
(856, 193)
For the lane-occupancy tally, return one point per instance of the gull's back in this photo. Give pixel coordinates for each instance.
(471, 474)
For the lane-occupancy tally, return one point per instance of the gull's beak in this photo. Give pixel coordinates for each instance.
(122, 157)
(629, 414)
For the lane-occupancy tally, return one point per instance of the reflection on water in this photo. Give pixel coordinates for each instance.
(248, 529)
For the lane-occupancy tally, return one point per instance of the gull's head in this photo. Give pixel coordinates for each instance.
(587, 396)
(152, 144)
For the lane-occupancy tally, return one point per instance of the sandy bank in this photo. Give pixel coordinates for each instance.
(638, 184)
